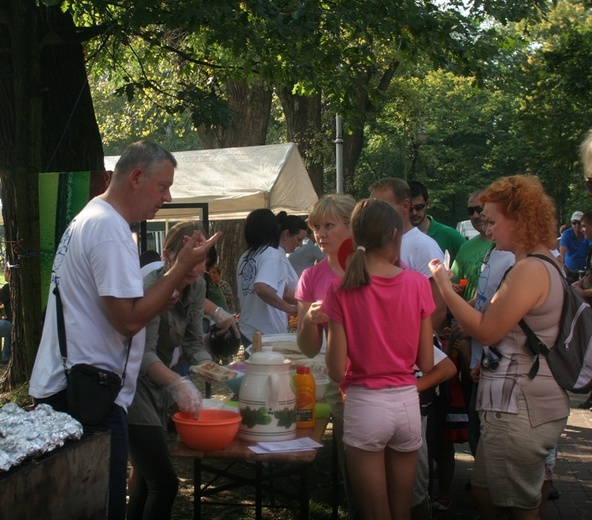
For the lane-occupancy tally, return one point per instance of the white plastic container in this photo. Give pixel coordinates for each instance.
(267, 402)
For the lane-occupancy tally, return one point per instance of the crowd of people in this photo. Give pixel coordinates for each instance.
(398, 303)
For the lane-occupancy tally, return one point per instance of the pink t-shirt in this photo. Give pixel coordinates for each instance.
(314, 283)
(382, 324)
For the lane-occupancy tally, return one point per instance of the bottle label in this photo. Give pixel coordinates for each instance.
(304, 400)
(304, 415)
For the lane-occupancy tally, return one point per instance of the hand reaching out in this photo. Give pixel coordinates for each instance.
(195, 249)
(224, 321)
(439, 272)
(316, 315)
(186, 396)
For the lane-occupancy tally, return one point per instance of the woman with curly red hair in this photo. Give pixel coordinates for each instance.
(521, 418)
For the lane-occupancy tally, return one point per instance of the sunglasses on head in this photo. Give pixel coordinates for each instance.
(417, 207)
(472, 209)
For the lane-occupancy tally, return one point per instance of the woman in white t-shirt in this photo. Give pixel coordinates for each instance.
(292, 233)
(262, 279)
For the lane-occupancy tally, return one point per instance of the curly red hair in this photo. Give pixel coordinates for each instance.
(523, 199)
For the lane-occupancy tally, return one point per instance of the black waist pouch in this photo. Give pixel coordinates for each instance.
(91, 393)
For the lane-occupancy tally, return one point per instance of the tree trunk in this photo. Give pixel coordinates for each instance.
(303, 121)
(353, 141)
(48, 125)
(229, 249)
(251, 105)
(20, 154)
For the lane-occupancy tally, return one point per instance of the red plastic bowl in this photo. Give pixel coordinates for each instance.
(214, 430)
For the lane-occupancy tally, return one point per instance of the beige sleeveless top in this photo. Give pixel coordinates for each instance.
(499, 390)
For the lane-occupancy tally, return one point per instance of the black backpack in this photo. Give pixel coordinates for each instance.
(570, 358)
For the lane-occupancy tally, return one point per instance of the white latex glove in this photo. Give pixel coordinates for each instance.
(186, 396)
(224, 320)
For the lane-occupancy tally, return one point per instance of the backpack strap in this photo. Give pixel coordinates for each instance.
(548, 260)
(534, 344)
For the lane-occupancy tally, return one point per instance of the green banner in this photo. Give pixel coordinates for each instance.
(61, 197)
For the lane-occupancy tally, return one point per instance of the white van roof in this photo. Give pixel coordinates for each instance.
(466, 229)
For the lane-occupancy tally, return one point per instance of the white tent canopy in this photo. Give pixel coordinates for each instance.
(235, 181)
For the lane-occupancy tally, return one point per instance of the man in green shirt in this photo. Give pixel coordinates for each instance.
(447, 238)
(469, 259)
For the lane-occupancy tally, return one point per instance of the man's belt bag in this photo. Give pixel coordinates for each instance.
(91, 391)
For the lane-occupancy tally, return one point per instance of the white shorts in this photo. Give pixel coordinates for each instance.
(375, 419)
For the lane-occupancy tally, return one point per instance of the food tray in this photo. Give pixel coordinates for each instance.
(214, 372)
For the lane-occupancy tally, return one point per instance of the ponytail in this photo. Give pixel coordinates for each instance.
(356, 272)
(373, 225)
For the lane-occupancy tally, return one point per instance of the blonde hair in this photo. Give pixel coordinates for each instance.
(523, 199)
(373, 225)
(586, 154)
(173, 241)
(336, 205)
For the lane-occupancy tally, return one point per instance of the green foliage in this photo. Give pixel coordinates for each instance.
(496, 95)
(524, 111)
(554, 100)
(180, 52)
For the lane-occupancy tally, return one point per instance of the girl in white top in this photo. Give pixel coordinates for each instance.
(262, 279)
(292, 233)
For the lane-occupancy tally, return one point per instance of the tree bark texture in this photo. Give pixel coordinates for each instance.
(48, 124)
(230, 248)
(353, 139)
(251, 105)
(303, 121)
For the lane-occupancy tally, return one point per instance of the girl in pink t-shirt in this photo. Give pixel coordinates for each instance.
(379, 327)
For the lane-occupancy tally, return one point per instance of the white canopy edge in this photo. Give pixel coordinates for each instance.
(236, 181)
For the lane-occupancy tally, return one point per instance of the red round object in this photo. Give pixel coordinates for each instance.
(214, 430)
(345, 249)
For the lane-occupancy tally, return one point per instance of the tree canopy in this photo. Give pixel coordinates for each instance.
(497, 86)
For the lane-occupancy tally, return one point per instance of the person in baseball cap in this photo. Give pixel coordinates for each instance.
(573, 247)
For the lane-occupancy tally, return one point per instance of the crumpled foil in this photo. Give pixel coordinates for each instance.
(29, 434)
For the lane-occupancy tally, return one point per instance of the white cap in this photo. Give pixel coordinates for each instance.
(577, 215)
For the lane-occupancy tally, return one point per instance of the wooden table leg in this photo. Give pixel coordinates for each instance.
(334, 477)
(304, 496)
(197, 489)
(258, 490)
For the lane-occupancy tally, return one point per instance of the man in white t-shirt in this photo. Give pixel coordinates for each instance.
(417, 249)
(97, 270)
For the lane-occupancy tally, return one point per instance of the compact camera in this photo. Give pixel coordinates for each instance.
(491, 359)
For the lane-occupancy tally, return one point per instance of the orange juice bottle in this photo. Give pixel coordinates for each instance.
(305, 398)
